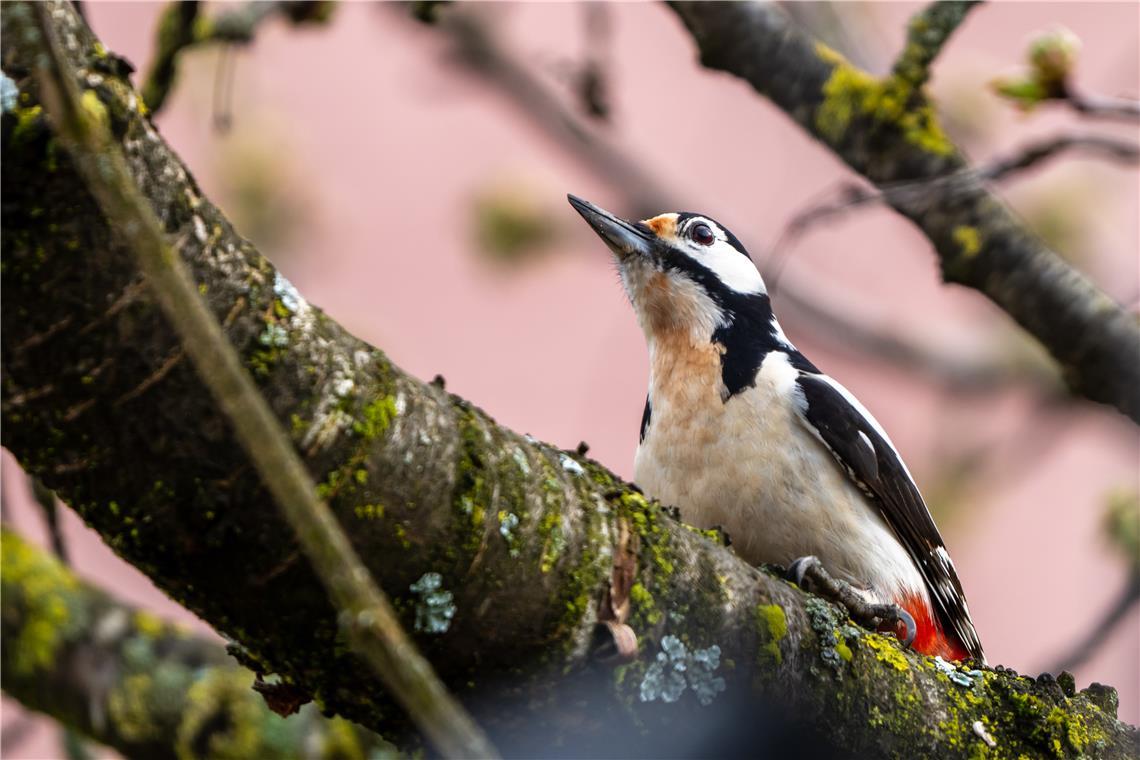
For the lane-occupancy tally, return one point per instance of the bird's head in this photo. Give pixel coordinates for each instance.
(684, 273)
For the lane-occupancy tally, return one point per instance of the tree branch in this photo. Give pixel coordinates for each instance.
(127, 679)
(181, 27)
(886, 131)
(365, 612)
(503, 550)
(1027, 156)
(927, 32)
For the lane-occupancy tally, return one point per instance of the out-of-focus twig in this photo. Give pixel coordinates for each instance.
(927, 32)
(1101, 628)
(1122, 529)
(1103, 105)
(181, 27)
(593, 78)
(477, 48)
(369, 620)
(137, 683)
(853, 196)
(1052, 57)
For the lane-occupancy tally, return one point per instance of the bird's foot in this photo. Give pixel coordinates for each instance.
(866, 614)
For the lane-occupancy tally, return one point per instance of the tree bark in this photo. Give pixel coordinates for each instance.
(136, 683)
(887, 131)
(498, 550)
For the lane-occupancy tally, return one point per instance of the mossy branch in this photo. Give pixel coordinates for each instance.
(886, 130)
(499, 550)
(181, 27)
(82, 122)
(926, 33)
(136, 683)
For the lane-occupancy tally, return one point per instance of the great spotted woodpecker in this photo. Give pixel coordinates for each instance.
(741, 430)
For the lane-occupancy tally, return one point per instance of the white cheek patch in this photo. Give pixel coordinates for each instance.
(730, 266)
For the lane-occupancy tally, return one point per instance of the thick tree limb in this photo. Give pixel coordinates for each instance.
(507, 547)
(886, 131)
(369, 621)
(135, 683)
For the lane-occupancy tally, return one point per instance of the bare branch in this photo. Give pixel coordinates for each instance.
(852, 196)
(1104, 106)
(1102, 627)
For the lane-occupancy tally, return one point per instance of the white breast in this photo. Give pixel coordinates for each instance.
(750, 465)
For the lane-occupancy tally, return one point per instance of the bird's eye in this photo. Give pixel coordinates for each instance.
(703, 234)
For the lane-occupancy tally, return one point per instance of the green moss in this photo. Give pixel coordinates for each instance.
(969, 240)
(221, 719)
(29, 121)
(369, 511)
(130, 707)
(45, 587)
(886, 651)
(95, 110)
(851, 93)
(842, 649)
(773, 626)
(376, 417)
(149, 625)
(643, 607)
(341, 741)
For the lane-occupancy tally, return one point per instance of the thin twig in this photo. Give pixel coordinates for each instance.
(1102, 628)
(371, 623)
(1104, 106)
(853, 196)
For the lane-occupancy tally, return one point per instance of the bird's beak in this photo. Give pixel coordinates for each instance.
(624, 238)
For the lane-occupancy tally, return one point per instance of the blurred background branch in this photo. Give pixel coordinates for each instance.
(183, 26)
(886, 130)
(1122, 534)
(133, 682)
(1051, 60)
(852, 196)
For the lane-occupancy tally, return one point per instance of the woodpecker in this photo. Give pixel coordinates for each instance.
(741, 430)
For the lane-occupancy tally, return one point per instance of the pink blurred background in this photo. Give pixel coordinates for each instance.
(355, 158)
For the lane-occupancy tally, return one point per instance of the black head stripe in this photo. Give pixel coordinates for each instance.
(732, 240)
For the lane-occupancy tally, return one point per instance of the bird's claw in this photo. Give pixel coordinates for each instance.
(799, 568)
(892, 615)
(865, 613)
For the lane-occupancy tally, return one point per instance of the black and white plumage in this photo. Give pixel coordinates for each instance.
(740, 429)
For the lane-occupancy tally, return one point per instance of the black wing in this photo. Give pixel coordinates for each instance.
(865, 453)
